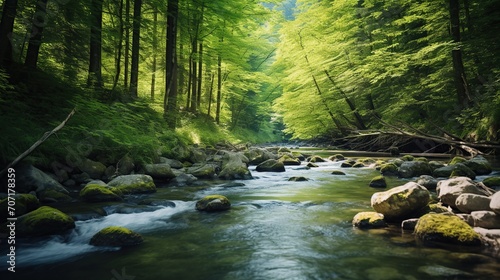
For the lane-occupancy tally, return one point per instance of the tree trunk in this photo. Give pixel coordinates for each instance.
(95, 75)
(219, 87)
(119, 45)
(136, 36)
(155, 49)
(200, 74)
(170, 102)
(6, 29)
(127, 44)
(211, 91)
(70, 50)
(461, 84)
(39, 21)
(194, 72)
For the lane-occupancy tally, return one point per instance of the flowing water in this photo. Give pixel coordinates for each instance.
(276, 229)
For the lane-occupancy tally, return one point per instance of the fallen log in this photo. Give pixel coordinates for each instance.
(45, 136)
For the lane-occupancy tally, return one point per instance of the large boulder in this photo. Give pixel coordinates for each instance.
(212, 203)
(172, 162)
(399, 203)
(203, 171)
(98, 193)
(495, 203)
(486, 219)
(458, 169)
(446, 228)
(30, 178)
(271, 165)
(114, 236)
(234, 167)
(125, 165)
(287, 159)
(43, 221)
(95, 169)
(159, 171)
(409, 169)
(427, 181)
(134, 184)
(479, 165)
(389, 169)
(468, 202)
(368, 220)
(448, 190)
(257, 155)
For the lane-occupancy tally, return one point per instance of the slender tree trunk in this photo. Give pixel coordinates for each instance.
(182, 76)
(190, 78)
(127, 44)
(39, 21)
(211, 91)
(155, 49)
(461, 84)
(170, 102)
(219, 87)
(119, 45)
(95, 75)
(194, 72)
(69, 33)
(200, 74)
(6, 28)
(136, 36)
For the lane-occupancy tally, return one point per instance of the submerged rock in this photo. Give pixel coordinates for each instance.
(212, 203)
(337, 172)
(43, 221)
(378, 182)
(298, 179)
(271, 165)
(368, 220)
(114, 236)
(447, 229)
(399, 203)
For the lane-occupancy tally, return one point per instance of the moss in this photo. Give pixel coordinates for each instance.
(456, 160)
(24, 203)
(369, 220)
(378, 182)
(98, 193)
(407, 158)
(316, 159)
(336, 157)
(421, 159)
(213, 203)
(389, 169)
(447, 229)
(116, 237)
(492, 182)
(54, 196)
(358, 165)
(337, 172)
(44, 221)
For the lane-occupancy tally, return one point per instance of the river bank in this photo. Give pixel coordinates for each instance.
(275, 228)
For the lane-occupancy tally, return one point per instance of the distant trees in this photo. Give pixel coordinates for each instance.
(400, 61)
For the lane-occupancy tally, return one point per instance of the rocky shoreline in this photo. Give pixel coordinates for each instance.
(441, 204)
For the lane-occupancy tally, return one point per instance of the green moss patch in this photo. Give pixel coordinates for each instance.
(98, 193)
(115, 236)
(44, 221)
(446, 229)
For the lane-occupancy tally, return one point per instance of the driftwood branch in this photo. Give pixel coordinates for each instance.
(45, 136)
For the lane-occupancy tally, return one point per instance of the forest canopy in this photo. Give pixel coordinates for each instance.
(309, 69)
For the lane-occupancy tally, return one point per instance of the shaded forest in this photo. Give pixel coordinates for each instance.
(145, 76)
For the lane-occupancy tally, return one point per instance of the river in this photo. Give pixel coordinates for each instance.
(275, 229)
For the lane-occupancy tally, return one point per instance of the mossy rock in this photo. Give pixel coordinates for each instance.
(445, 228)
(43, 221)
(378, 182)
(367, 161)
(298, 179)
(114, 236)
(456, 160)
(407, 158)
(134, 184)
(317, 159)
(212, 203)
(98, 193)
(479, 165)
(389, 169)
(492, 182)
(336, 157)
(25, 203)
(337, 172)
(286, 159)
(421, 159)
(346, 164)
(51, 196)
(271, 165)
(310, 164)
(366, 220)
(358, 165)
